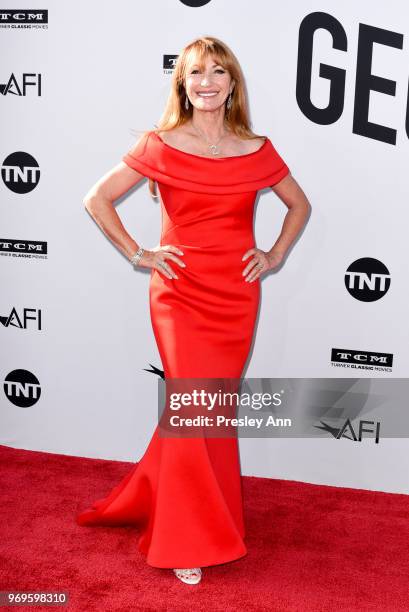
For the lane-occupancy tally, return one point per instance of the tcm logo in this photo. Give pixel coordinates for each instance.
(29, 317)
(22, 388)
(366, 360)
(169, 62)
(11, 247)
(28, 81)
(20, 172)
(367, 279)
(23, 16)
(347, 428)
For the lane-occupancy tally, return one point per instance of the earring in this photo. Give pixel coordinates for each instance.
(229, 101)
(187, 103)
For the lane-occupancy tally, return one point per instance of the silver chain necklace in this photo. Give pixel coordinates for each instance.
(213, 147)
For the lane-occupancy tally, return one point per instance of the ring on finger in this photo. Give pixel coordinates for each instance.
(256, 271)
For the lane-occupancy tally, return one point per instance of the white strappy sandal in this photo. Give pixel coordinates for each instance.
(189, 576)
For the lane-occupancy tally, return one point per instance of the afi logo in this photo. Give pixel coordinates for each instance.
(22, 388)
(367, 279)
(16, 88)
(347, 427)
(20, 172)
(21, 322)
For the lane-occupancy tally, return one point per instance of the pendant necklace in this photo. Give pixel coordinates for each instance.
(214, 150)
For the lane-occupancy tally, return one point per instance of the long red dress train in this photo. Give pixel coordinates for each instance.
(185, 494)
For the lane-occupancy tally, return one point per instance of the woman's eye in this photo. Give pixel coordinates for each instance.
(218, 70)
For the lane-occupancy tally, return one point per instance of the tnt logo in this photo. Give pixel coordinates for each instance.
(367, 279)
(347, 428)
(20, 172)
(22, 388)
(195, 3)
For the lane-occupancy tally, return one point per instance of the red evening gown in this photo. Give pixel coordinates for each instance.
(184, 495)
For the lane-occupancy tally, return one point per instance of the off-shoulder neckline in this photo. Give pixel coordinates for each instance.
(165, 144)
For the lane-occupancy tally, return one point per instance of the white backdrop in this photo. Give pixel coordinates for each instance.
(102, 75)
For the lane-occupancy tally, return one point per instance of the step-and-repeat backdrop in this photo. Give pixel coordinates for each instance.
(79, 362)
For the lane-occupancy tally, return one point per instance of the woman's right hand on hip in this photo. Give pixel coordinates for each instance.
(158, 258)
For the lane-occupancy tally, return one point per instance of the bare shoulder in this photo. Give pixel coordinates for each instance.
(243, 146)
(181, 138)
(254, 144)
(140, 137)
(173, 136)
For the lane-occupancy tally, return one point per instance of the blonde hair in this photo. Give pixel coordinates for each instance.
(175, 114)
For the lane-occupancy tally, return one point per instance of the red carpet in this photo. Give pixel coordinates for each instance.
(311, 547)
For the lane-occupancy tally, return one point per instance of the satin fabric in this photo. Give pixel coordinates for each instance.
(185, 494)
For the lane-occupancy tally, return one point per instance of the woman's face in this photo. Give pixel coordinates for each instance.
(212, 79)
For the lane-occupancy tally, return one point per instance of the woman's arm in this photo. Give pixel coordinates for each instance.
(99, 202)
(291, 194)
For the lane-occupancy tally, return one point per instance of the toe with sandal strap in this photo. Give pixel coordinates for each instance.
(189, 576)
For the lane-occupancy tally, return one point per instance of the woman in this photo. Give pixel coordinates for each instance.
(185, 494)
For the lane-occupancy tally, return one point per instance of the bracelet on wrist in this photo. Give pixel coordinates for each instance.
(136, 257)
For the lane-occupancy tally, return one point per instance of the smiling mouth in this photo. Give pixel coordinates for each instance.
(207, 94)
